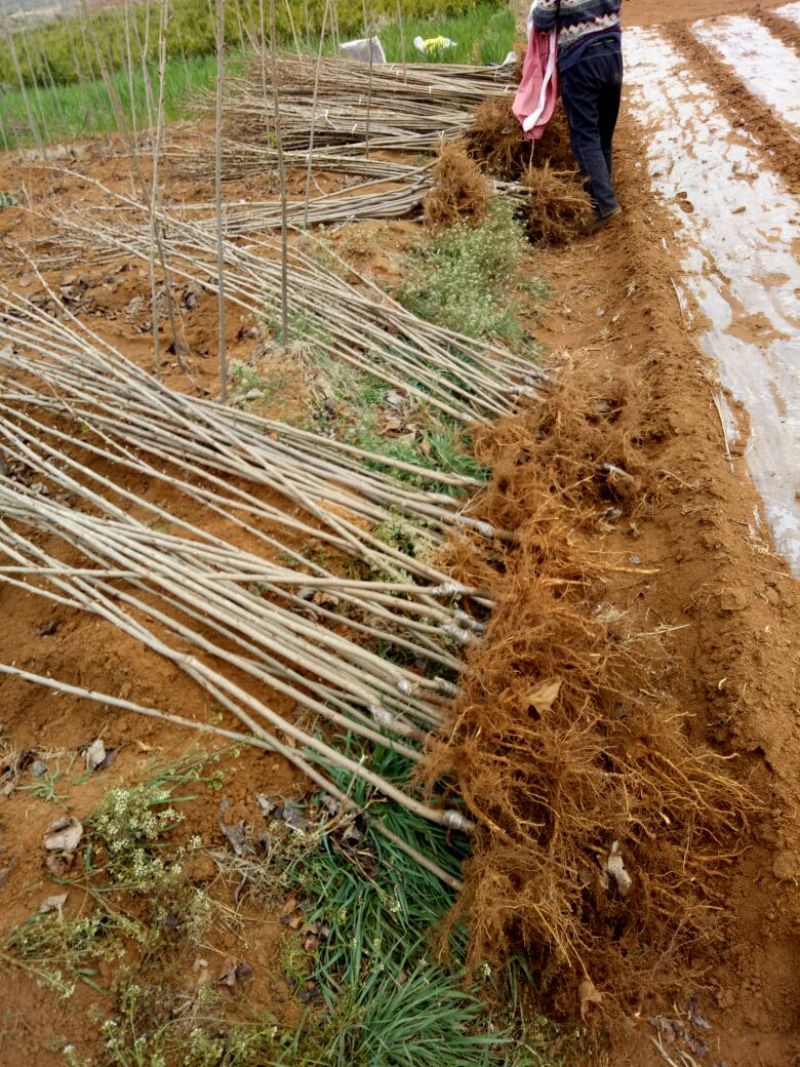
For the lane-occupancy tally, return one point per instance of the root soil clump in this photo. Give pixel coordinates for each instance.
(461, 193)
(626, 739)
(556, 204)
(603, 826)
(557, 208)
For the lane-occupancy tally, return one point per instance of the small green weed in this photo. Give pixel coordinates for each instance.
(124, 858)
(258, 384)
(59, 951)
(127, 827)
(46, 788)
(468, 278)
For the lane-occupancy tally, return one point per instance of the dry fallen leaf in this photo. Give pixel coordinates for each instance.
(616, 868)
(588, 995)
(64, 835)
(58, 864)
(54, 903)
(95, 754)
(237, 837)
(544, 695)
(234, 973)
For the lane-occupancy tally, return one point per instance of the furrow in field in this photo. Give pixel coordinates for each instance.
(790, 12)
(778, 141)
(769, 69)
(781, 26)
(738, 221)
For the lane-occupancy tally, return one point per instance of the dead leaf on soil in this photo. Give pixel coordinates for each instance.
(588, 995)
(290, 906)
(293, 816)
(64, 835)
(615, 866)
(95, 755)
(544, 695)
(5, 874)
(236, 837)
(146, 748)
(58, 864)
(234, 973)
(268, 807)
(54, 903)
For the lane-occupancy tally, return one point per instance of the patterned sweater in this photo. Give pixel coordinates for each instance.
(577, 20)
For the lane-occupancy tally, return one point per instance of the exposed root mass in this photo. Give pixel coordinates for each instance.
(557, 207)
(461, 192)
(603, 827)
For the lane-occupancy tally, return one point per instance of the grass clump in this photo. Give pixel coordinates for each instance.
(129, 883)
(83, 109)
(468, 278)
(484, 33)
(395, 993)
(59, 952)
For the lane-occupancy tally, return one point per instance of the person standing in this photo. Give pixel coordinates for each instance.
(590, 70)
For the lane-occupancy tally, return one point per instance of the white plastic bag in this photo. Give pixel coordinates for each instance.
(367, 50)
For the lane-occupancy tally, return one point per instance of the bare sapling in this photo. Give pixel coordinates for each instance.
(223, 357)
(32, 124)
(273, 34)
(315, 98)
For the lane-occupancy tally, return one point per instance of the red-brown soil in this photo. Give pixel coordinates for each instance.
(654, 12)
(725, 608)
(732, 657)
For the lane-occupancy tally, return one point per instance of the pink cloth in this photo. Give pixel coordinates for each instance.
(537, 95)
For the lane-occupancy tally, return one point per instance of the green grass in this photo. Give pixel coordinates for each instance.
(69, 112)
(362, 401)
(483, 34)
(66, 50)
(73, 108)
(486, 34)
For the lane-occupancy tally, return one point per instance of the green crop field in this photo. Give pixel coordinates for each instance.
(61, 64)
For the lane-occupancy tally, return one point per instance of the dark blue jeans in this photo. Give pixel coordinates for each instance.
(591, 90)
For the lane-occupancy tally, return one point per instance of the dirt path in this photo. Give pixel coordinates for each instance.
(733, 606)
(653, 12)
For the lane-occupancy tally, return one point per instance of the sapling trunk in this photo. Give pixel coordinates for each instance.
(273, 32)
(32, 124)
(315, 97)
(220, 38)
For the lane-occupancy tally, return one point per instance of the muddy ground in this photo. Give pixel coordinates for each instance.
(622, 324)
